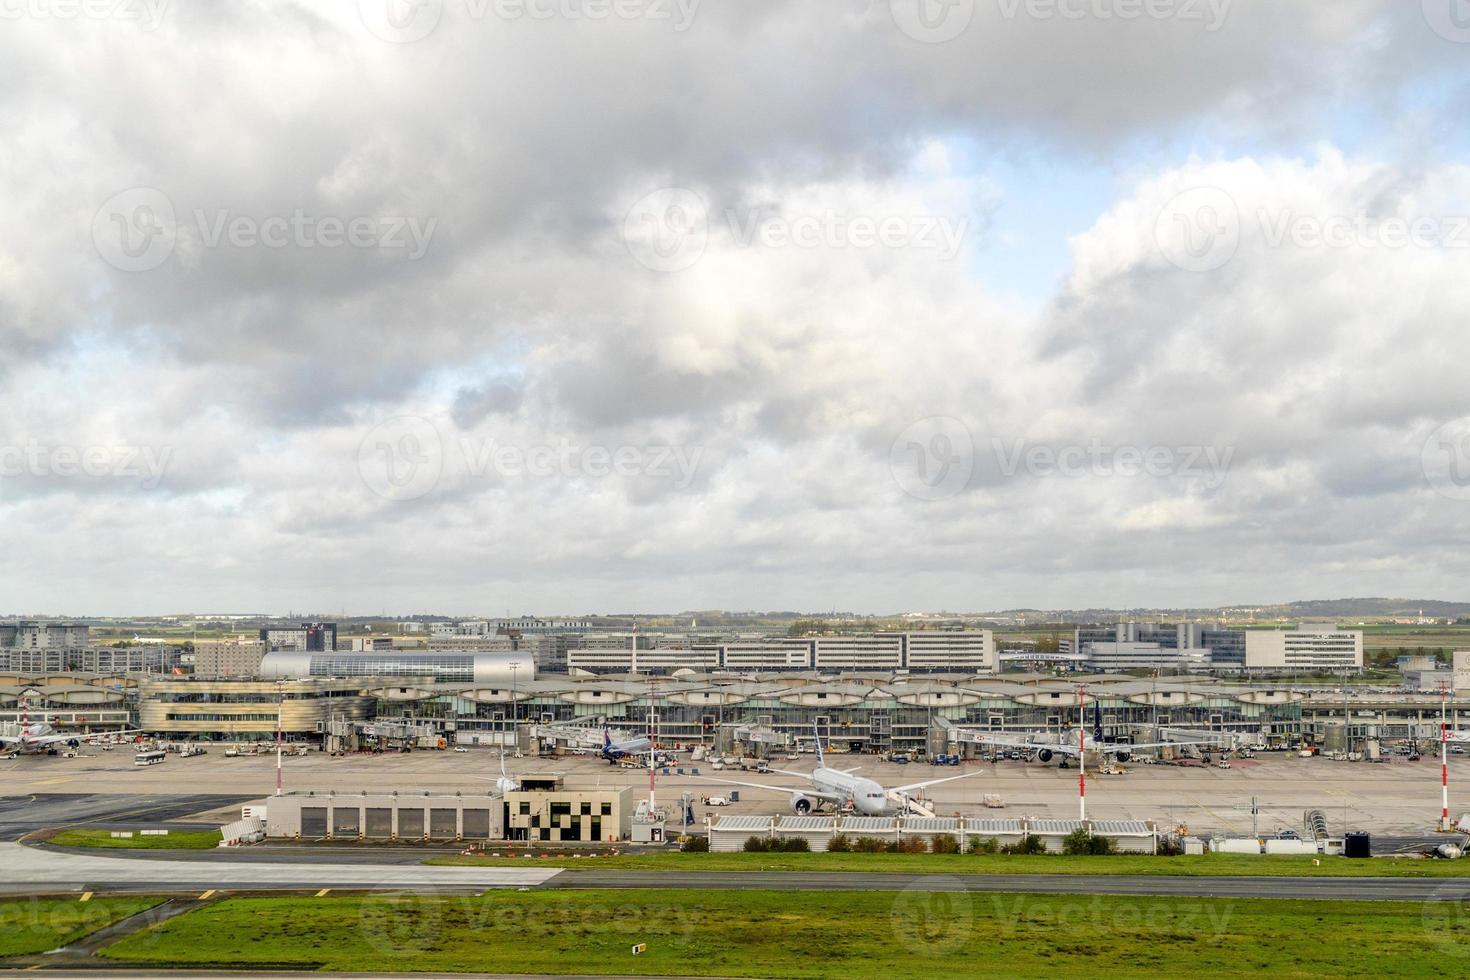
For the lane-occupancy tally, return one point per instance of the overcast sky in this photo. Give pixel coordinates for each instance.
(487, 306)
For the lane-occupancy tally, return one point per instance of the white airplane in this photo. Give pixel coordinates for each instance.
(1046, 749)
(839, 787)
(505, 784)
(38, 736)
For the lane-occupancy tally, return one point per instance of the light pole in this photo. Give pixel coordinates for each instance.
(515, 729)
(1444, 760)
(280, 707)
(1082, 752)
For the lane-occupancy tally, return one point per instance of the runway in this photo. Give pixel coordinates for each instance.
(30, 870)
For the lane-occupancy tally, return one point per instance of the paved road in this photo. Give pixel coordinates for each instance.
(30, 870)
(1398, 889)
(20, 815)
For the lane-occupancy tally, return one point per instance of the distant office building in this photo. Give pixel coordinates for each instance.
(500, 669)
(231, 656)
(90, 660)
(531, 624)
(547, 650)
(44, 636)
(365, 644)
(1159, 646)
(928, 651)
(308, 637)
(1309, 647)
(479, 643)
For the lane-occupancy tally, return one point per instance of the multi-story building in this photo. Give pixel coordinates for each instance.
(311, 637)
(231, 656)
(365, 644)
(481, 643)
(181, 707)
(439, 667)
(547, 650)
(531, 624)
(1311, 647)
(44, 636)
(946, 650)
(92, 660)
(923, 652)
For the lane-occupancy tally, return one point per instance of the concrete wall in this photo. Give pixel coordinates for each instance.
(385, 816)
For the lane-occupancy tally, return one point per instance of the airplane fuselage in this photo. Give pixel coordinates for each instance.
(867, 796)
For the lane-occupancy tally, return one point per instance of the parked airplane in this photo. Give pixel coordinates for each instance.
(1047, 748)
(505, 784)
(616, 751)
(39, 736)
(839, 787)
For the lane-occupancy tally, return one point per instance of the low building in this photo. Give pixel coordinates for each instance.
(569, 814)
(407, 816)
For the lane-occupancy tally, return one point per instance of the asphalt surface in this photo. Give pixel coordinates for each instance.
(1360, 889)
(24, 814)
(30, 870)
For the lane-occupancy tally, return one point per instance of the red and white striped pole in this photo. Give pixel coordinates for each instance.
(1081, 753)
(1444, 762)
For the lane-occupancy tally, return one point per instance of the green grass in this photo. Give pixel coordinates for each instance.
(1121, 864)
(807, 934)
(36, 925)
(190, 840)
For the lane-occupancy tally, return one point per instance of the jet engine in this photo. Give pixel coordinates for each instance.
(74, 743)
(1123, 756)
(1045, 755)
(801, 805)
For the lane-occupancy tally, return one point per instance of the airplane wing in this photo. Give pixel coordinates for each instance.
(934, 782)
(9, 739)
(1130, 746)
(1013, 742)
(61, 738)
(803, 790)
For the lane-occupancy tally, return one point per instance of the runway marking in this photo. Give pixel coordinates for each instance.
(86, 897)
(323, 892)
(206, 894)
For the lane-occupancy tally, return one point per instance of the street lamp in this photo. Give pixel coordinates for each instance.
(515, 730)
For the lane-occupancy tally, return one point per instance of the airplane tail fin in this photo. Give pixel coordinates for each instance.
(821, 763)
(1097, 733)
